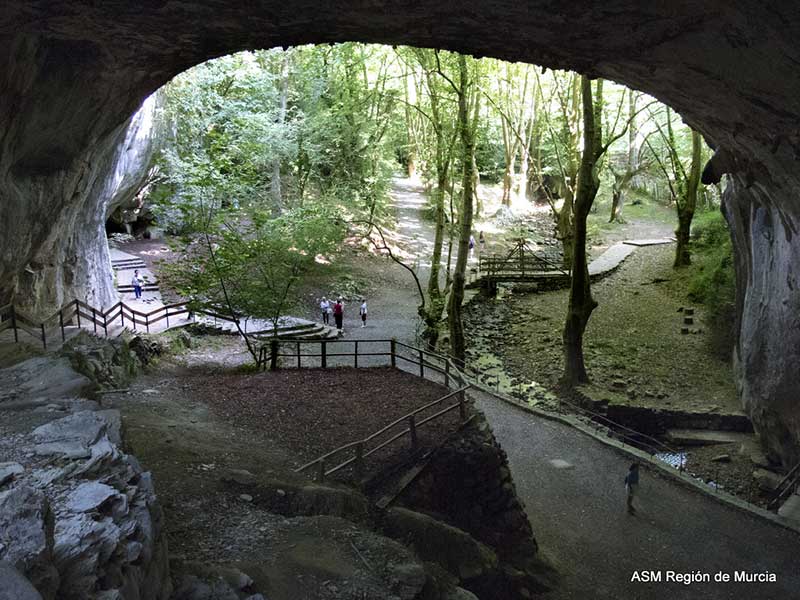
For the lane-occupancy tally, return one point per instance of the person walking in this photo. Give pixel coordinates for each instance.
(338, 314)
(632, 486)
(481, 243)
(137, 284)
(363, 312)
(471, 244)
(325, 308)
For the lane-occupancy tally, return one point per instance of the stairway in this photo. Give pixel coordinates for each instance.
(288, 328)
(124, 265)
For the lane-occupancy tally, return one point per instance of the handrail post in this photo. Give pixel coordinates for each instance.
(94, 319)
(462, 406)
(421, 364)
(78, 313)
(273, 359)
(122, 314)
(105, 325)
(298, 354)
(324, 353)
(61, 324)
(359, 467)
(412, 430)
(447, 373)
(14, 323)
(167, 313)
(393, 352)
(44, 337)
(355, 357)
(321, 470)
(147, 322)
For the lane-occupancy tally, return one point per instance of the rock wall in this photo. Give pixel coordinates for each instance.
(79, 518)
(767, 352)
(52, 230)
(468, 484)
(71, 77)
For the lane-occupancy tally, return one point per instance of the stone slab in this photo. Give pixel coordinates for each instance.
(791, 508)
(703, 437)
(610, 259)
(650, 242)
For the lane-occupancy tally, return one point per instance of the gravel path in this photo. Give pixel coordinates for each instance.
(578, 515)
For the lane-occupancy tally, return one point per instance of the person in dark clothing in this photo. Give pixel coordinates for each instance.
(338, 314)
(632, 486)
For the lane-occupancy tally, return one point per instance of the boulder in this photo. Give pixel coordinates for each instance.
(26, 537)
(433, 540)
(93, 496)
(39, 380)
(8, 470)
(335, 502)
(70, 436)
(14, 585)
(767, 480)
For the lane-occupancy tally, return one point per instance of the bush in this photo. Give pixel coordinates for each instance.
(712, 281)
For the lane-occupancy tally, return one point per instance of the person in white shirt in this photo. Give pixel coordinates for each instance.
(137, 284)
(325, 307)
(363, 312)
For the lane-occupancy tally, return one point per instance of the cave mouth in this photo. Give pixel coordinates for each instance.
(74, 76)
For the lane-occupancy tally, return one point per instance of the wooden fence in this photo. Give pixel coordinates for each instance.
(83, 315)
(427, 365)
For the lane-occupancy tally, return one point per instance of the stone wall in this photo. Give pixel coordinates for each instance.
(467, 483)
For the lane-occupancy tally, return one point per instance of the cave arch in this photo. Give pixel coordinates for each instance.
(72, 74)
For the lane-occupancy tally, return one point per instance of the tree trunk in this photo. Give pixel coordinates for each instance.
(686, 205)
(454, 311)
(581, 303)
(615, 203)
(275, 182)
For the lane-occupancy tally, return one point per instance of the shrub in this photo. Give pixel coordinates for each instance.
(712, 281)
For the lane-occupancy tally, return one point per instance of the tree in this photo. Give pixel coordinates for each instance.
(468, 111)
(246, 266)
(581, 302)
(683, 182)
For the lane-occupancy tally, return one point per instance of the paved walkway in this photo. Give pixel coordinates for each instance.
(577, 510)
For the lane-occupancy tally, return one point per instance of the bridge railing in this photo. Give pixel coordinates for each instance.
(520, 263)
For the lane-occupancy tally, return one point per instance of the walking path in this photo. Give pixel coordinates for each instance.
(576, 503)
(572, 486)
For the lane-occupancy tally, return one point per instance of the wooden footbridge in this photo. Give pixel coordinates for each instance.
(521, 265)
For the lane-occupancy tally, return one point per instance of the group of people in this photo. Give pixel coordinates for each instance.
(327, 308)
(481, 243)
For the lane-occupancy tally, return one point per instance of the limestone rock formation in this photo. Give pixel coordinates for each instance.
(72, 77)
(79, 518)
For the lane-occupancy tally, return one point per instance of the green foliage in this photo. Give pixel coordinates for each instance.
(250, 264)
(712, 279)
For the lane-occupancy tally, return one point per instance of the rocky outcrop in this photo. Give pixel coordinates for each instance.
(467, 484)
(71, 79)
(767, 353)
(79, 518)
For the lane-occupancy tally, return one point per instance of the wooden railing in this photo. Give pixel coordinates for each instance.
(787, 486)
(84, 315)
(527, 265)
(426, 364)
